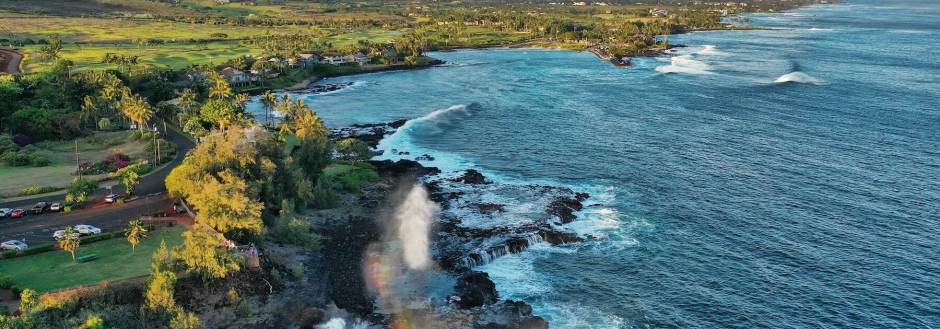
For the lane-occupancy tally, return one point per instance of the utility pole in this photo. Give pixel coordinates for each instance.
(78, 162)
(158, 153)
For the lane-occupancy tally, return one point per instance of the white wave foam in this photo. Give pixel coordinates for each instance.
(684, 64)
(402, 140)
(710, 50)
(799, 77)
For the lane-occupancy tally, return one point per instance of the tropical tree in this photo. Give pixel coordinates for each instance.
(129, 176)
(135, 232)
(51, 50)
(268, 100)
(136, 108)
(89, 109)
(29, 301)
(219, 88)
(204, 253)
(160, 291)
(70, 242)
(352, 149)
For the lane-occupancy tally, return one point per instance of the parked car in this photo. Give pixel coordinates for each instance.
(55, 207)
(60, 234)
(13, 245)
(112, 198)
(39, 208)
(87, 229)
(5, 212)
(17, 213)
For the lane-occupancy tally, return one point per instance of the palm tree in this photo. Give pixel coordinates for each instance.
(268, 101)
(136, 108)
(135, 232)
(70, 242)
(218, 87)
(89, 109)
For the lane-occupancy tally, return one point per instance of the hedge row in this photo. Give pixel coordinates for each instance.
(53, 246)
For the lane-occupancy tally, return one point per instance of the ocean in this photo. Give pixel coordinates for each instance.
(779, 178)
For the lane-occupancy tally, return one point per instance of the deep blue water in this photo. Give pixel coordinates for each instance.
(724, 198)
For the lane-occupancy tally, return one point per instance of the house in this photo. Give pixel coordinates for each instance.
(358, 58)
(237, 77)
(334, 59)
(308, 59)
(659, 12)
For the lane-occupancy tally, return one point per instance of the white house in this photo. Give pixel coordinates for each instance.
(335, 59)
(235, 76)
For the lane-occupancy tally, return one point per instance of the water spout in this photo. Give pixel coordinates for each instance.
(414, 217)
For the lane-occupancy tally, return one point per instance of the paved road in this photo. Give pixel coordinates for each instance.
(13, 59)
(39, 228)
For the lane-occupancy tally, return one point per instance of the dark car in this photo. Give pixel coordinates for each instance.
(39, 208)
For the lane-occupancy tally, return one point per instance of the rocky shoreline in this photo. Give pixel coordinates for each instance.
(601, 51)
(458, 244)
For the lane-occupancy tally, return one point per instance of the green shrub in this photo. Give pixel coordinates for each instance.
(33, 190)
(323, 195)
(105, 124)
(39, 160)
(38, 249)
(296, 232)
(297, 271)
(6, 282)
(18, 158)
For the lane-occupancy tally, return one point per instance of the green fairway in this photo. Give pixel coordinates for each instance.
(55, 270)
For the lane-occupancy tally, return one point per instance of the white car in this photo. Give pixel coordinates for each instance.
(87, 229)
(13, 245)
(55, 207)
(5, 212)
(60, 234)
(112, 198)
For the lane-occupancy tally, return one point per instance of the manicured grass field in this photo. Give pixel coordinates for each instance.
(55, 270)
(101, 30)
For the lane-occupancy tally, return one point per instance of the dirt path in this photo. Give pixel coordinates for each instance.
(11, 61)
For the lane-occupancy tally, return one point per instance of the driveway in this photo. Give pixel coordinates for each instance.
(11, 59)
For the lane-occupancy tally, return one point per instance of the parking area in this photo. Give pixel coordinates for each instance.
(39, 228)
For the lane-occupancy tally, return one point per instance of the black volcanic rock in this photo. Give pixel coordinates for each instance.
(557, 238)
(471, 177)
(564, 208)
(402, 167)
(488, 208)
(476, 289)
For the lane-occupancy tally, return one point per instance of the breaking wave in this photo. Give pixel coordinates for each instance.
(799, 77)
(684, 64)
(711, 51)
(401, 144)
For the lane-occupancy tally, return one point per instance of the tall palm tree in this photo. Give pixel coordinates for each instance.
(218, 87)
(268, 101)
(136, 109)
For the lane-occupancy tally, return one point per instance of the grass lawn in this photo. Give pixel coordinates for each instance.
(125, 30)
(55, 270)
(62, 153)
(351, 176)
(175, 55)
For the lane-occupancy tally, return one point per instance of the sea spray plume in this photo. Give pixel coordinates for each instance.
(414, 217)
